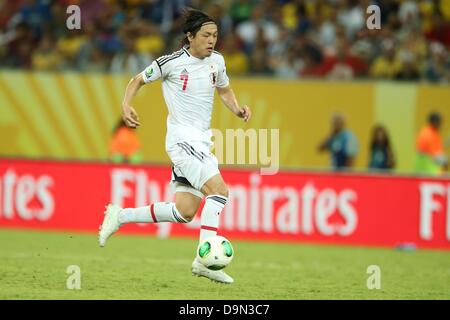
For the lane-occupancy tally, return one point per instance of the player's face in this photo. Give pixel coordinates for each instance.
(205, 40)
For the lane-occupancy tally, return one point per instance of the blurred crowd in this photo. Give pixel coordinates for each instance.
(281, 38)
(343, 146)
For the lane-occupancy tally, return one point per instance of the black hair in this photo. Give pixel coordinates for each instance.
(434, 117)
(375, 130)
(386, 145)
(194, 20)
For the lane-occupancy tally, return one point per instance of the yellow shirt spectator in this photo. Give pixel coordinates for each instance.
(46, 60)
(444, 6)
(70, 46)
(46, 57)
(237, 63)
(152, 44)
(383, 67)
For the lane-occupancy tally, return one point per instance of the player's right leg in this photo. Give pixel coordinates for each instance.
(182, 210)
(199, 270)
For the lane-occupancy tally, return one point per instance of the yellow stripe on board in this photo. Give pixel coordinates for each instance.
(395, 109)
(61, 136)
(86, 109)
(34, 136)
(11, 126)
(114, 96)
(109, 109)
(18, 84)
(75, 109)
(94, 109)
(47, 84)
(119, 84)
(72, 115)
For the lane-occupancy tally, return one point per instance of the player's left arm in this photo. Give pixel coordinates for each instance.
(229, 99)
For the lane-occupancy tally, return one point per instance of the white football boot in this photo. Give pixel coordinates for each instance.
(110, 223)
(200, 270)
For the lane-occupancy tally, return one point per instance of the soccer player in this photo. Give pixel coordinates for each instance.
(189, 77)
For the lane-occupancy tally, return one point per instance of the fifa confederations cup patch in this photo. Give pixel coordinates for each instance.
(149, 72)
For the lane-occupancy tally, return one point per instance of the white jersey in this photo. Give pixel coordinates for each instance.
(188, 85)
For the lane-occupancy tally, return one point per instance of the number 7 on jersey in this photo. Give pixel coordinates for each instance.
(185, 78)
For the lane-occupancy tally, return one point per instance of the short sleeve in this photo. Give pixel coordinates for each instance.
(222, 78)
(151, 73)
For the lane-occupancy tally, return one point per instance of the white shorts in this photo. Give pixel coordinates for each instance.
(193, 165)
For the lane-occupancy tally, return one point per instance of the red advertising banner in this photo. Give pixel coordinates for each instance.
(334, 208)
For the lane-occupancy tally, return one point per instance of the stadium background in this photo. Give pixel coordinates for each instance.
(60, 97)
(125, 36)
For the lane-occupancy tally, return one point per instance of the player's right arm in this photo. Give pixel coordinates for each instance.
(151, 73)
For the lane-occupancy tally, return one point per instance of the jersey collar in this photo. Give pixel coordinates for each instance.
(185, 48)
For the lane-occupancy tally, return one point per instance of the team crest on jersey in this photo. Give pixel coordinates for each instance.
(213, 74)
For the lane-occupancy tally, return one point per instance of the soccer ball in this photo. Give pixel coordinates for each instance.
(215, 252)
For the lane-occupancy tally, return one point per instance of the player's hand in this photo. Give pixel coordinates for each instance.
(244, 112)
(130, 116)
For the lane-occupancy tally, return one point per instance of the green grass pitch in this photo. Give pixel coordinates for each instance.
(33, 266)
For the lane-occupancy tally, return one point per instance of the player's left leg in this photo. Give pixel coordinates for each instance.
(183, 210)
(187, 204)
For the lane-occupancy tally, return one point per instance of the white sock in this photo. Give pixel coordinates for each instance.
(157, 212)
(214, 205)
